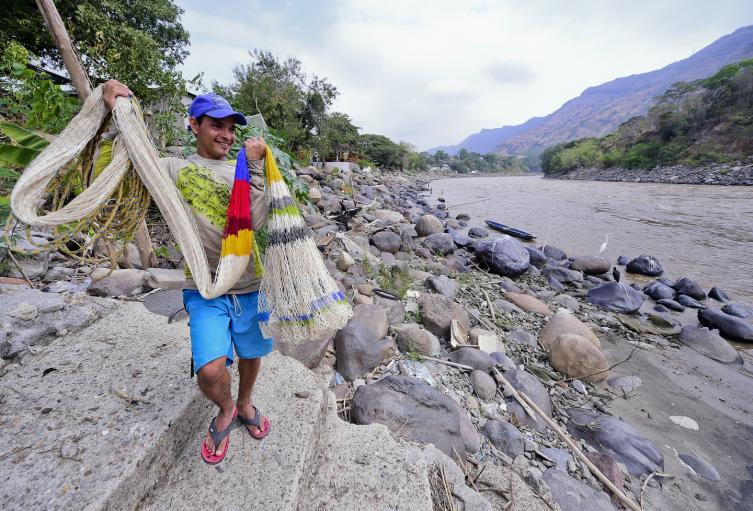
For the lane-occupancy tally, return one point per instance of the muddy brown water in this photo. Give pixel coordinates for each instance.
(703, 232)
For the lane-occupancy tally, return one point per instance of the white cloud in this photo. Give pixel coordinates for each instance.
(433, 72)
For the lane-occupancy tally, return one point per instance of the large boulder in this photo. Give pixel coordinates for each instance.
(731, 327)
(591, 265)
(573, 495)
(528, 303)
(439, 243)
(616, 297)
(387, 241)
(360, 345)
(708, 343)
(578, 357)
(565, 322)
(437, 313)
(411, 337)
(308, 353)
(505, 256)
(505, 437)
(687, 287)
(128, 282)
(645, 265)
(616, 437)
(413, 408)
(429, 224)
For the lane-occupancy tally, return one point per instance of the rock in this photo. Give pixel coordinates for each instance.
(528, 303)
(577, 357)
(411, 337)
(616, 297)
(429, 224)
(437, 313)
(444, 286)
(486, 341)
(472, 357)
(483, 384)
(522, 337)
(345, 261)
(388, 259)
(360, 345)
(609, 467)
(471, 437)
(164, 278)
(508, 285)
(685, 422)
(531, 386)
(573, 495)
(560, 457)
(659, 291)
(701, 467)
(641, 325)
(671, 304)
(554, 252)
(505, 256)
(460, 239)
(506, 306)
(591, 265)
(623, 260)
(555, 284)
(718, 294)
(645, 265)
(414, 408)
(457, 264)
(478, 232)
(439, 243)
(625, 384)
(618, 438)
(128, 282)
(738, 310)
(662, 321)
(567, 301)
(563, 275)
(687, 287)
(315, 194)
(505, 437)
(731, 327)
(58, 273)
(536, 257)
(463, 216)
(564, 322)
(387, 241)
(388, 216)
(308, 353)
(708, 343)
(502, 360)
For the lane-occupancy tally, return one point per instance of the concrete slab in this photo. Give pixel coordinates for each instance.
(92, 420)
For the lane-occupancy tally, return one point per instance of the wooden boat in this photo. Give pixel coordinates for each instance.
(512, 231)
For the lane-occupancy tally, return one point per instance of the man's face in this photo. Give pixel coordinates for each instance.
(214, 137)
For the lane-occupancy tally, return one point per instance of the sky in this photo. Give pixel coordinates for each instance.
(433, 72)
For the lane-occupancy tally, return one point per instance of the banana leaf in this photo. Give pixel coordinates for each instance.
(23, 137)
(17, 155)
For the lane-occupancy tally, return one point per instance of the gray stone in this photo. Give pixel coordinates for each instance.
(739, 310)
(506, 306)
(388, 216)
(505, 256)
(58, 273)
(536, 257)
(439, 243)
(731, 327)
(687, 301)
(472, 357)
(708, 343)
(128, 282)
(701, 467)
(591, 265)
(687, 287)
(387, 241)
(505, 437)
(429, 224)
(554, 252)
(560, 457)
(471, 437)
(164, 278)
(616, 297)
(659, 291)
(671, 304)
(360, 345)
(437, 313)
(483, 384)
(718, 294)
(645, 265)
(414, 408)
(444, 286)
(502, 360)
(568, 302)
(573, 495)
(625, 384)
(618, 438)
(411, 337)
(563, 275)
(478, 232)
(309, 353)
(522, 337)
(534, 389)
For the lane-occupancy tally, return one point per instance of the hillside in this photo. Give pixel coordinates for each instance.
(693, 123)
(488, 138)
(601, 109)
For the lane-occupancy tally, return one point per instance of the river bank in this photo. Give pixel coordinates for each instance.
(449, 324)
(739, 174)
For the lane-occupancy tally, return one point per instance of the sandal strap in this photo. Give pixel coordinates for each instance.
(218, 436)
(255, 421)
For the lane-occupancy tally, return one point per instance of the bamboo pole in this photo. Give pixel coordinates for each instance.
(83, 88)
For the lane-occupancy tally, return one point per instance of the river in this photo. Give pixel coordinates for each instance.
(703, 232)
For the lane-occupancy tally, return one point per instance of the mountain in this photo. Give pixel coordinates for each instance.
(487, 139)
(601, 109)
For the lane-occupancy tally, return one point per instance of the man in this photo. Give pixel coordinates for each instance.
(229, 322)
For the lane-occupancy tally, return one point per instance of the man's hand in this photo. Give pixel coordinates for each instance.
(256, 148)
(111, 90)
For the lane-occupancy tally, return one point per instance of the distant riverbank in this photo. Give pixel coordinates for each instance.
(715, 174)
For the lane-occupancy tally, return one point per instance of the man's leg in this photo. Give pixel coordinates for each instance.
(214, 382)
(249, 370)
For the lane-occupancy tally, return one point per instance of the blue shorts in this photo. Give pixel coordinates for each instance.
(222, 323)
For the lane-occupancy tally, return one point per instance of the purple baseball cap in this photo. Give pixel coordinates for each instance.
(214, 106)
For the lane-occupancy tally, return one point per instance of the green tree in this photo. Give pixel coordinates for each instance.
(382, 151)
(139, 42)
(337, 134)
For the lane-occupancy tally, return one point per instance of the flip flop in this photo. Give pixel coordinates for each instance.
(209, 457)
(262, 423)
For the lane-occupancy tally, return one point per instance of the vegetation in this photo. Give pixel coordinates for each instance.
(467, 161)
(704, 121)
